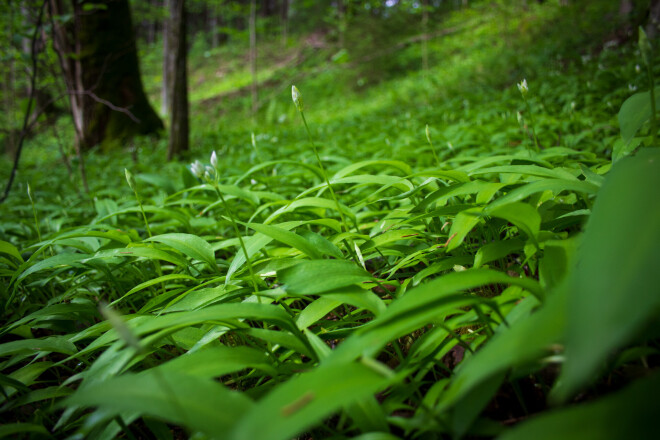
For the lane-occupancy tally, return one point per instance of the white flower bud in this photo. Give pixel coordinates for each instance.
(197, 168)
(214, 159)
(522, 86)
(297, 98)
(130, 179)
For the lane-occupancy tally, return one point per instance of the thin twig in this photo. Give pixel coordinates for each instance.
(28, 110)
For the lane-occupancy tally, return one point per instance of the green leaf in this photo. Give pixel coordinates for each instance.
(255, 244)
(618, 271)
(190, 245)
(12, 429)
(10, 249)
(554, 185)
(496, 250)
(56, 344)
(524, 216)
(200, 404)
(635, 111)
(287, 237)
(217, 361)
(462, 225)
(630, 413)
(318, 276)
(304, 401)
(424, 304)
(163, 279)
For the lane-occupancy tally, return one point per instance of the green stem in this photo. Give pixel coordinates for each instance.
(240, 238)
(531, 123)
(325, 176)
(654, 129)
(36, 219)
(144, 216)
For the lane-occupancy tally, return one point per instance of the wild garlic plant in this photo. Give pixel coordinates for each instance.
(524, 91)
(133, 185)
(211, 176)
(298, 101)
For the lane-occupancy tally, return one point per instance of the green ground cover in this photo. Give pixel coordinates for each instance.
(438, 256)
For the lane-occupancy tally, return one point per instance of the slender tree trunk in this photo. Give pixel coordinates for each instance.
(213, 28)
(165, 91)
(253, 55)
(653, 24)
(284, 21)
(178, 142)
(425, 37)
(342, 25)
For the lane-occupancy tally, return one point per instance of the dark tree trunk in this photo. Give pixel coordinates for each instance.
(253, 56)
(653, 23)
(284, 16)
(165, 90)
(98, 56)
(178, 81)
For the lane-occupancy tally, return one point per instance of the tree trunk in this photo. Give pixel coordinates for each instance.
(98, 57)
(425, 30)
(165, 90)
(253, 55)
(284, 20)
(178, 81)
(653, 23)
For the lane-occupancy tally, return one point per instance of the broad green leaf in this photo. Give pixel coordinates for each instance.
(57, 344)
(629, 413)
(526, 217)
(253, 245)
(287, 237)
(496, 250)
(15, 429)
(10, 249)
(51, 262)
(191, 245)
(218, 361)
(304, 401)
(635, 111)
(554, 185)
(397, 164)
(139, 250)
(618, 271)
(462, 225)
(200, 404)
(318, 276)
(163, 279)
(524, 340)
(424, 304)
(310, 202)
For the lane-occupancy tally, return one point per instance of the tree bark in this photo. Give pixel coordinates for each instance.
(98, 57)
(253, 55)
(285, 20)
(178, 81)
(653, 23)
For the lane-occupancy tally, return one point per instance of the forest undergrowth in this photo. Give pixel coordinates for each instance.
(468, 252)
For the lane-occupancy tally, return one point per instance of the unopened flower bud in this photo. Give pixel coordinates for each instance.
(645, 47)
(197, 168)
(29, 192)
(130, 179)
(297, 98)
(428, 133)
(214, 159)
(522, 86)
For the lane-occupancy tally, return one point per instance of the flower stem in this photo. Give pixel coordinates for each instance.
(240, 238)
